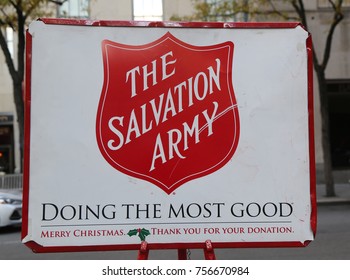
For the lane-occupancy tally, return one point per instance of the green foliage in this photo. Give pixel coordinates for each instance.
(14, 12)
(239, 10)
(142, 233)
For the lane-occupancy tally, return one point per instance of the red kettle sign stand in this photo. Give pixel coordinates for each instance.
(168, 135)
(209, 253)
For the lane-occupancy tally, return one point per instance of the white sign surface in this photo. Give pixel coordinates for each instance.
(172, 134)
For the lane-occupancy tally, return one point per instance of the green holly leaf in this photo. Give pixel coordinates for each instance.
(143, 233)
(132, 232)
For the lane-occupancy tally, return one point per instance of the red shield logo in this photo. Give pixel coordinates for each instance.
(167, 112)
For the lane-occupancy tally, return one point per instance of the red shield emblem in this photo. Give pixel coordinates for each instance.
(167, 112)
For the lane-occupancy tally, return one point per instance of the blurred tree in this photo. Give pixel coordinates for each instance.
(14, 15)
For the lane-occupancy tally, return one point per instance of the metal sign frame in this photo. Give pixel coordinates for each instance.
(53, 213)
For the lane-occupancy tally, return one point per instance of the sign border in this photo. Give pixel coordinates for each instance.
(37, 248)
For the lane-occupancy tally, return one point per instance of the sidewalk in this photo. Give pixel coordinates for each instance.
(342, 192)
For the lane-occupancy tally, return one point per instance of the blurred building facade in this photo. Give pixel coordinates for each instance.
(319, 14)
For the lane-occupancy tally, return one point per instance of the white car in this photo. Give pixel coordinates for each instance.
(10, 208)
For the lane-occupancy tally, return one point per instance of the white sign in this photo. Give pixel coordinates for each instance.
(169, 133)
